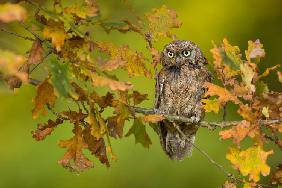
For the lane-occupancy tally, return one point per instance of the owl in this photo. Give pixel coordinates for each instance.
(179, 90)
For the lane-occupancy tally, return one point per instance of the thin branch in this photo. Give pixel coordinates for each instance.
(17, 35)
(205, 124)
(30, 31)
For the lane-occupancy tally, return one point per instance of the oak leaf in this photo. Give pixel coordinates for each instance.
(238, 132)
(35, 53)
(223, 94)
(97, 147)
(248, 74)
(74, 159)
(45, 96)
(255, 51)
(46, 129)
(211, 105)
(250, 162)
(56, 32)
(138, 97)
(160, 22)
(138, 129)
(279, 74)
(112, 84)
(89, 8)
(12, 12)
(153, 118)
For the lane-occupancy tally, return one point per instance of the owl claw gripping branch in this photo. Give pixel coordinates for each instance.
(179, 90)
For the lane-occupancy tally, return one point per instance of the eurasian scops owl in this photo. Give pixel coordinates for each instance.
(179, 90)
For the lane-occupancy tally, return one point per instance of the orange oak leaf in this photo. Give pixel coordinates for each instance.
(223, 94)
(250, 162)
(12, 12)
(112, 84)
(45, 96)
(35, 53)
(238, 132)
(74, 159)
(153, 118)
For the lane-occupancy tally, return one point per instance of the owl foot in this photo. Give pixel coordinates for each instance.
(195, 119)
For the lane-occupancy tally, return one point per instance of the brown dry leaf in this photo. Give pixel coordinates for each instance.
(35, 53)
(276, 178)
(96, 147)
(12, 12)
(116, 123)
(223, 94)
(56, 32)
(45, 96)
(82, 94)
(160, 22)
(273, 101)
(153, 118)
(250, 162)
(124, 57)
(238, 132)
(75, 117)
(74, 159)
(46, 129)
(114, 85)
(103, 101)
(255, 51)
(138, 97)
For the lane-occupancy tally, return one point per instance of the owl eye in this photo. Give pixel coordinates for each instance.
(170, 54)
(186, 53)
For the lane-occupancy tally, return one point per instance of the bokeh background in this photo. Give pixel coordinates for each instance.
(27, 163)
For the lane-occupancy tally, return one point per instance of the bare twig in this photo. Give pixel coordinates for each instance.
(30, 31)
(17, 35)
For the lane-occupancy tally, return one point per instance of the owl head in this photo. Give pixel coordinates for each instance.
(182, 53)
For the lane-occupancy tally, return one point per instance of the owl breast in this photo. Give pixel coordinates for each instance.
(181, 92)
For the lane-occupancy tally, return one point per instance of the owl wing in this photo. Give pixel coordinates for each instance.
(159, 89)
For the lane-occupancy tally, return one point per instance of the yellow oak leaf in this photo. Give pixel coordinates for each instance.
(250, 162)
(112, 84)
(248, 74)
(160, 22)
(45, 96)
(89, 8)
(12, 12)
(211, 105)
(56, 32)
(124, 57)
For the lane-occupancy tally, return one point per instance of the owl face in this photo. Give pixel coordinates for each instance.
(182, 53)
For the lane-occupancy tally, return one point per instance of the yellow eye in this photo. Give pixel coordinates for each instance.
(186, 53)
(170, 54)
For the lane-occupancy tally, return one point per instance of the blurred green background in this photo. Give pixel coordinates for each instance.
(27, 163)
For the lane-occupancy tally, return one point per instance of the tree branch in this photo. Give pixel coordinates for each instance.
(17, 35)
(205, 124)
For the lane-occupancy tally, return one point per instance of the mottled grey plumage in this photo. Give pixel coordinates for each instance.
(179, 90)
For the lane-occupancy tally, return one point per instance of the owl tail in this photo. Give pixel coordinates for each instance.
(174, 144)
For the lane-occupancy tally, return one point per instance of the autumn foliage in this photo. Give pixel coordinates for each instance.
(81, 65)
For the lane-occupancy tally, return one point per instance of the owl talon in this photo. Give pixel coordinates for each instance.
(195, 119)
